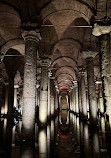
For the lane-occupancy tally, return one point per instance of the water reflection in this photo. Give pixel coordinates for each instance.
(42, 144)
(68, 138)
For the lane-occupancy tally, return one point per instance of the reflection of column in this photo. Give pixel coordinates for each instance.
(87, 149)
(78, 130)
(13, 136)
(52, 130)
(95, 144)
(42, 140)
(48, 140)
(27, 151)
(29, 89)
(44, 93)
(83, 97)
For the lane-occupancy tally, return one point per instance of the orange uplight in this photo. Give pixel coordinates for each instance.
(64, 136)
(63, 87)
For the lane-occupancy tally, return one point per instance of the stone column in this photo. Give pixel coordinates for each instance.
(6, 98)
(44, 93)
(79, 97)
(11, 96)
(101, 103)
(15, 96)
(52, 86)
(105, 66)
(91, 85)
(83, 97)
(49, 103)
(1, 94)
(29, 89)
(77, 102)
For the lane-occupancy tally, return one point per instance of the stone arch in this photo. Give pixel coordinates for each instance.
(74, 6)
(17, 44)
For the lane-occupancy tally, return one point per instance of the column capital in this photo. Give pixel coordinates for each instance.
(99, 30)
(31, 35)
(89, 54)
(45, 61)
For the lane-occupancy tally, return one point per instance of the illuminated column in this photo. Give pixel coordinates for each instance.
(52, 97)
(89, 55)
(91, 90)
(15, 96)
(49, 102)
(1, 96)
(44, 93)
(83, 97)
(76, 97)
(29, 89)
(101, 104)
(105, 66)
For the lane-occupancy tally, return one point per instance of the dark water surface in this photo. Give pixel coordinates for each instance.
(64, 137)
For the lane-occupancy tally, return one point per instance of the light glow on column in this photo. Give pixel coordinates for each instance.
(43, 107)
(42, 144)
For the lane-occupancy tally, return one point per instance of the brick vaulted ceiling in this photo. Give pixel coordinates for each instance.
(62, 43)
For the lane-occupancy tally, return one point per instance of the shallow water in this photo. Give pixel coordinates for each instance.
(71, 138)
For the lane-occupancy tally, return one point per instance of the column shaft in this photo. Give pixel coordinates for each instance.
(43, 95)
(79, 97)
(1, 96)
(91, 90)
(105, 66)
(29, 90)
(83, 97)
(49, 102)
(11, 97)
(6, 98)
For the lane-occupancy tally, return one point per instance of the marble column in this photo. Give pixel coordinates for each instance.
(89, 55)
(29, 89)
(44, 93)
